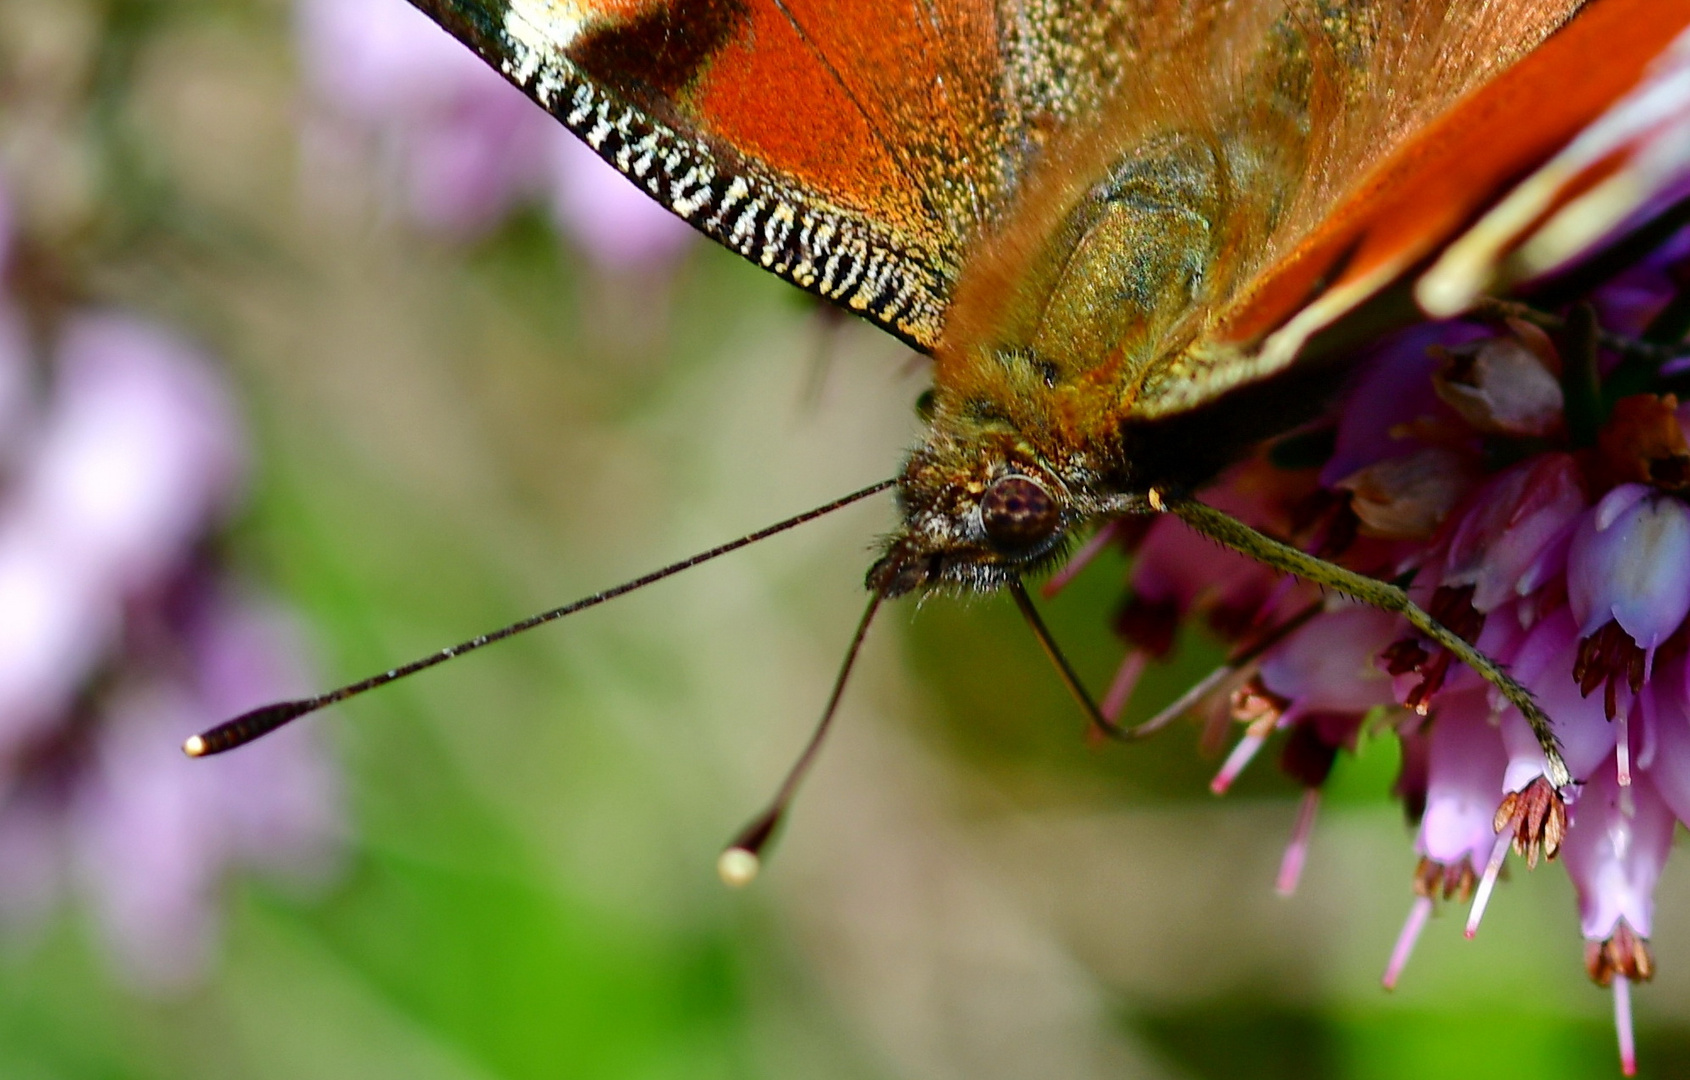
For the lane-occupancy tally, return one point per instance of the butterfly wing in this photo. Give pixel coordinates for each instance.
(852, 150)
(1630, 159)
(861, 151)
(1448, 171)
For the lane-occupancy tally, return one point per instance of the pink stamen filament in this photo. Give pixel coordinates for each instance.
(1236, 761)
(1622, 1025)
(1622, 749)
(1487, 883)
(1646, 752)
(1125, 682)
(1406, 940)
(1297, 851)
(1082, 558)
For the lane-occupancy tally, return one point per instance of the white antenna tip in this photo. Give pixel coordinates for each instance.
(738, 867)
(195, 746)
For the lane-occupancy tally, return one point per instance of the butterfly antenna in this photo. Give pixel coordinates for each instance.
(267, 718)
(743, 857)
(1069, 677)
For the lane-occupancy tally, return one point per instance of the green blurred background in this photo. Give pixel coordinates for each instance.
(450, 437)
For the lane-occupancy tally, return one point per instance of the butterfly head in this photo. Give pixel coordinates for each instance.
(981, 508)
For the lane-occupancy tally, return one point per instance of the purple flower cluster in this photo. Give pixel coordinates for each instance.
(1540, 510)
(1528, 472)
(121, 455)
(461, 147)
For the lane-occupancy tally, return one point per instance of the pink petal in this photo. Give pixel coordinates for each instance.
(1509, 523)
(1545, 665)
(1630, 562)
(1464, 780)
(1614, 853)
(1330, 664)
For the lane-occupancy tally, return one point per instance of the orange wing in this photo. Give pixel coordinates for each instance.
(852, 149)
(861, 148)
(1441, 180)
(1634, 157)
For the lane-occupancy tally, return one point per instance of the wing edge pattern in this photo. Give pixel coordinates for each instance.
(800, 236)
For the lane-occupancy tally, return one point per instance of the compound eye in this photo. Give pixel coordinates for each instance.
(1018, 513)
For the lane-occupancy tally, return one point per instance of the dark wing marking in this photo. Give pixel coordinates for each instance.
(855, 157)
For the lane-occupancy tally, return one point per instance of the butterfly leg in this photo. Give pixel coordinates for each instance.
(1228, 531)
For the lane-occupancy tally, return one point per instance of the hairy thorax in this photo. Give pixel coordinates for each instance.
(1094, 299)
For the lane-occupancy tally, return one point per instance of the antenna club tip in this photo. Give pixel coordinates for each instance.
(195, 746)
(738, 867)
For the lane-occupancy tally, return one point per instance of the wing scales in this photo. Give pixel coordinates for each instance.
(869, 150)
(853, 157)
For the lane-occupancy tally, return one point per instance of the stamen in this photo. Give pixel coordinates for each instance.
(1081, 559)
(1622, 749)
(1297, 851)
(1125, 681)
(1536, 818)
(1611, 659)
(1406, 940)
(1623, 1026)
(1487, 882)
(1453, 607)
(1237, 760)
(1646, 752)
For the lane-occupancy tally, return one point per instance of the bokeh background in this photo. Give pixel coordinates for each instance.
(470, 382)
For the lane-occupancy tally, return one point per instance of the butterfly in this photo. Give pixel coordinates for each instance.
(1100, 220)
(1135, 238)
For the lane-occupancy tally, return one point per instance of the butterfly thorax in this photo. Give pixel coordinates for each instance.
(1129, 315)
(1038, 385)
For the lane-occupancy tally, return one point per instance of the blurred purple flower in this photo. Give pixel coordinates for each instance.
(134, 460)
(462, 146)
(610, 218)
(5, 229)
(150, 835)
(14, 350)
(119, 636)
(1463, 778)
